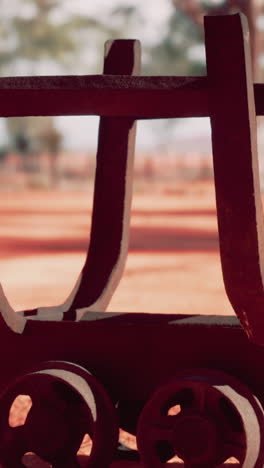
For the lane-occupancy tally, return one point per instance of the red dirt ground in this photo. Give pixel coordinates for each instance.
(173, 263)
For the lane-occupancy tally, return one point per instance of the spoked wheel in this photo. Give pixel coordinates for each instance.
(67, 403)
(203, 419)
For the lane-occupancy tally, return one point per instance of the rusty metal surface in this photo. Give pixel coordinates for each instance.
(234, 140)
(123, 96)
(144, 97)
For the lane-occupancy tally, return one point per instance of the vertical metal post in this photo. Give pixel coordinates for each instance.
(234, 140)
(112, 194)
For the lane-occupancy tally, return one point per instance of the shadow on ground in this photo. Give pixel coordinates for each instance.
(31, 463)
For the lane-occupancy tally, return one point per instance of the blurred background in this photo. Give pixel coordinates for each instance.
(47, 164)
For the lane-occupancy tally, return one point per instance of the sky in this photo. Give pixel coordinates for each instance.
(156, 12)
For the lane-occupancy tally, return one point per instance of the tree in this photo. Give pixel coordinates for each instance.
(251, 8)
(173, 53)
(46, 38)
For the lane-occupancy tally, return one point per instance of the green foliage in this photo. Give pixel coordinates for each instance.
(209, 6)
(38, 39)
(125, 18)
(4, 150)
(28, 42)
(173, 53)
(21, 143)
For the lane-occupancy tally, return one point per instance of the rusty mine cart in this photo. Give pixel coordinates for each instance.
(186, 385)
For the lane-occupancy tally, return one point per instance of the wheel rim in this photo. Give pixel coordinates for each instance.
(217, 417)
(67, 403)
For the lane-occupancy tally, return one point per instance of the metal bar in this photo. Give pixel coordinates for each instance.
(234, 140)
(147, 97)
(108, 247)
(109, 96)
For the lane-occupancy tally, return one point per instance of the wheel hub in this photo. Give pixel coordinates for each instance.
(196, 437)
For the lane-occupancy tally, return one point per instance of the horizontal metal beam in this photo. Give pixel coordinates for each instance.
(138, 97)
(147, 97)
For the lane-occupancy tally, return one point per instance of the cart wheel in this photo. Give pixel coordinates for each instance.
(67, 403)
(203, 419)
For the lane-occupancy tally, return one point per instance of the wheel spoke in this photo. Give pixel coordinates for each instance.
(234, 445)
(224, 412)
(14, 439)
(13, 446)
(71, 462)
(199, 400)
(232, 450)
(192, 398)
(159, 438)
(213, 399)
(157, 432)
(229, 423)
(12, 463)
(44, 393)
